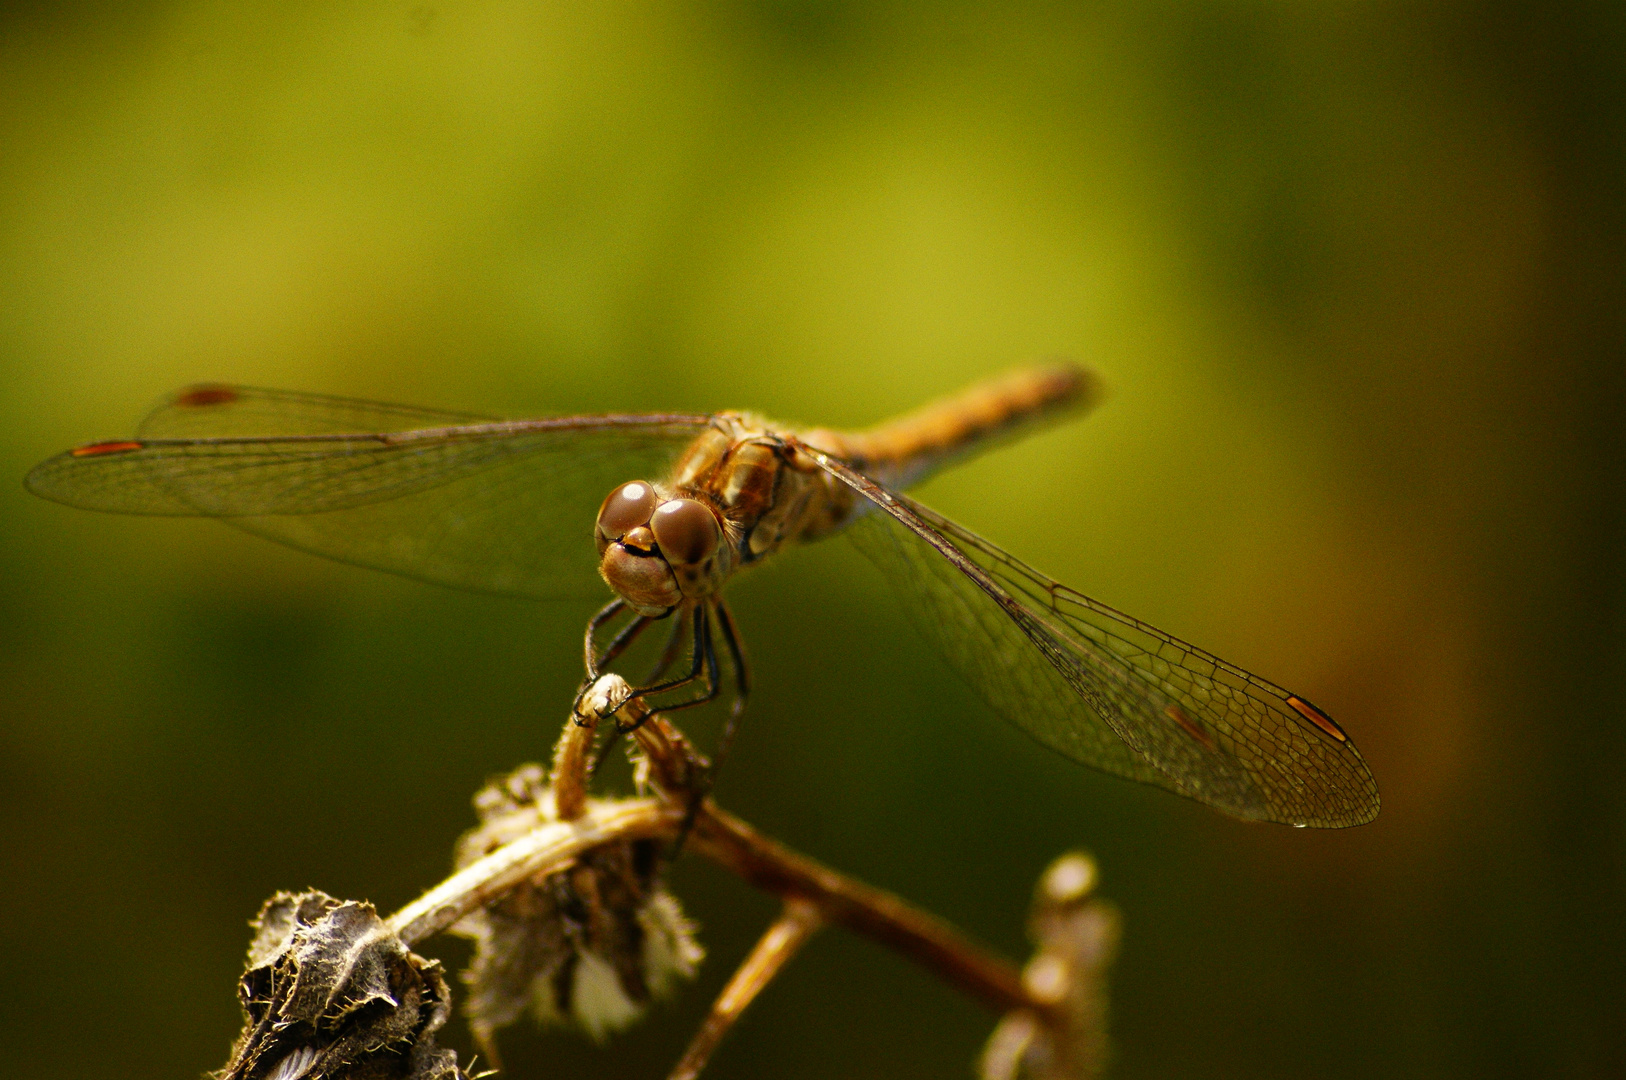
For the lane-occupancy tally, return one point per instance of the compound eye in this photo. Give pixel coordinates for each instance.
(686, 530)
(628, 507)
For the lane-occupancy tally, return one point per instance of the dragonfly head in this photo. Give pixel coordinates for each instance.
(654, 552)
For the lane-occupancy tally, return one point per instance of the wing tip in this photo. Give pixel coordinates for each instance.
(47, 479)
(1363, 810)
(34, 480)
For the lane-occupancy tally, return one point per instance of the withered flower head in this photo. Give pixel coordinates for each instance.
(589, 945)
(331, 994)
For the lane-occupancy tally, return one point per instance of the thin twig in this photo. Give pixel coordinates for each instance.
(875, 913)
(552, 846)
(772, 867)
(799, 921)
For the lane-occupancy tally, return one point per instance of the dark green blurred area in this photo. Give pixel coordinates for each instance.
(1354, 272)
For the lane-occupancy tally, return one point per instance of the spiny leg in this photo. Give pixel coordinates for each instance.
(673, 646)
(622, 641)
(742, 682)
(593, 660)
(742, 690)
(596, 661)
(704, 660)
(668, 657)
(590, 648)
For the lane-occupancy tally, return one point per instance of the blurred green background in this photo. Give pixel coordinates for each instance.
(1353, 270)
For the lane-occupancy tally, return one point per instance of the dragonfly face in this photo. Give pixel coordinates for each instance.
(659, 553)
(735, 495)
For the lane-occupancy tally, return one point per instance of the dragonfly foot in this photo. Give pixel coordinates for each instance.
(600, 699)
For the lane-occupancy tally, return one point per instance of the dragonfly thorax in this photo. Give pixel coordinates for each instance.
(659, 552)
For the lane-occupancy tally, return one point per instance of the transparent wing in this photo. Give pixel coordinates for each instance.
(491, 505)
(1107, 690)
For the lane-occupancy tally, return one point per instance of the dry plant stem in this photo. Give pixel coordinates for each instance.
(799, 921)
(875, 913)
(547, 847)
(738, 847)
(813, 893)
(570, 767)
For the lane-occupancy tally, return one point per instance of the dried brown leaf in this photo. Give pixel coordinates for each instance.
(330, 993)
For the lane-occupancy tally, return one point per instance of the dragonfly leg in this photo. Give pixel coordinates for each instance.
(672, 649)
(742, 681)
(668, 657)
(590, 650)
(625, 638)
(742, 690)
(595, 660)
(703, 662)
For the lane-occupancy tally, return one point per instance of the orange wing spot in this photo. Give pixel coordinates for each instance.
(1317, 717)
(1178, 715)
(209, 394)
(98, 449)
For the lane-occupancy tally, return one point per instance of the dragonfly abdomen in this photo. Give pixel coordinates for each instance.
(907, 449)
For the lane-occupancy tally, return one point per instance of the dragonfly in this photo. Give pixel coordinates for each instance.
(518, 507)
